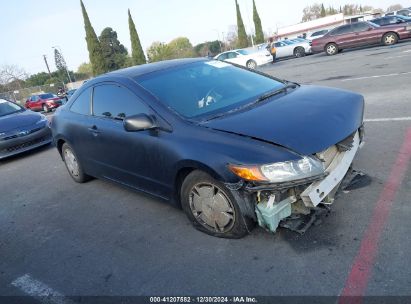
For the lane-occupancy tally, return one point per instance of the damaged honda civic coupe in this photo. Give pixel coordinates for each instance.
(231, 146)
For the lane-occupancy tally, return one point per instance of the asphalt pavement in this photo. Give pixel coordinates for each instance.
(98, 238)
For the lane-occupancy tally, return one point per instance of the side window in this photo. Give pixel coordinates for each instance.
(82, 103)
(114, 101)
(232, 55)
(34, 98)
(378, 21)
(222, 56)
(341, 30)
(359, 27)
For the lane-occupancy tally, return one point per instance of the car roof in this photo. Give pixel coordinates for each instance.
(139, 70)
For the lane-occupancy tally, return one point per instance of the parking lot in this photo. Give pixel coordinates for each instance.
(101, 239)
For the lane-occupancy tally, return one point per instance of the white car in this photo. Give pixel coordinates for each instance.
(286, 48)
(247, 58)
(403, 12)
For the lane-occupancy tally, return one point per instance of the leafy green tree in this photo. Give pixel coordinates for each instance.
(259, 35)
(137, 53)
(323, 13)
(85, 68)
(114, 53)
(158, 51)
(93, 45)
(242, 36)
(177, 48)
(181, 47)
(211, 48)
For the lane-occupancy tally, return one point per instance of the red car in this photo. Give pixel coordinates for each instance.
(43, 102)
(359, 34)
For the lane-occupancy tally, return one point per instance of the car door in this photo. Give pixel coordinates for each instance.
(126, 157)
(281, 49)
(235, 57)
(35, 103)
(344, 36)
(364, 34)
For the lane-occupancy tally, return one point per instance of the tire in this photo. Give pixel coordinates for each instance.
(251, 64)
(299, 52)
(45, 108)
(390, 38)
(73, 166)
(331, 49)
(211, 207)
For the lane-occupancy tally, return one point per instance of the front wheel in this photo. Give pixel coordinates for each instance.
(389, 39)
(299, 52)
(45, 108)
(73, 165)
(251, 64)
(331, 49)
(211, 207)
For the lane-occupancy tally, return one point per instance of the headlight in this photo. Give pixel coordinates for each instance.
(281, 171)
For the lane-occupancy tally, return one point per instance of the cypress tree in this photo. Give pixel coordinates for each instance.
(259, 36)
(323, 13)
(242, 41)
(93, 45)
(137, 53)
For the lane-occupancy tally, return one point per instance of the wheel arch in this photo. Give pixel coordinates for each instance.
(390, 32)
(184, 169)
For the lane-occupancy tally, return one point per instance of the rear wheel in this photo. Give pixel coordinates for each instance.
(211, 207)
(299, 52)
(389, 39)
(73, 165)
(331, 49)
(251, 64)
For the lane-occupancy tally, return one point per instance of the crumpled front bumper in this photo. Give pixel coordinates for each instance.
(302, 197)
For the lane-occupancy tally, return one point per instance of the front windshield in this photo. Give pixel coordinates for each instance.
(203, 89)
(47, 96)
(7, 107)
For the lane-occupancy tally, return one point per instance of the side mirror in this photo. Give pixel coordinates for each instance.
(139, 122)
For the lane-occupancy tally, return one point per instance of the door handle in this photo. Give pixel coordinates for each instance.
(94, 130)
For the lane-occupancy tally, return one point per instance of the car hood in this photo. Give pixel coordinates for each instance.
(306, 120)
(18, 120)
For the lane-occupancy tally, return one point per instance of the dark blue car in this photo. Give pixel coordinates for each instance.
(231, 146)
(21, 130)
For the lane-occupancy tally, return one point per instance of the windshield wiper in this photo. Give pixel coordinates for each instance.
(289, 85)
(275, 92)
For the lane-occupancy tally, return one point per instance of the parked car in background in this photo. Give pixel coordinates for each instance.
(289, 48)
(70, 93)
(359, 34)
(248, 58)
(43, 102)
(402, 12)
(317, 34)
(229, 145)
(21, 130)
(390, 20)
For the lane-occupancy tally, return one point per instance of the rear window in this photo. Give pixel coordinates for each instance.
(47, 96)
(206, 88)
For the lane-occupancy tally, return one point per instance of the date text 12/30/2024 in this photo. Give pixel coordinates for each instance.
(239, 299)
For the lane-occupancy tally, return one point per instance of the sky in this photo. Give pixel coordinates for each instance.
(30, 28)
